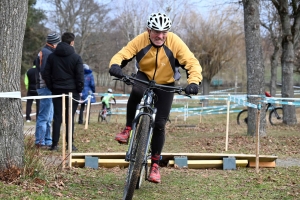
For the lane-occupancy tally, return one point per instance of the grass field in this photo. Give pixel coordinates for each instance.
(44, 179)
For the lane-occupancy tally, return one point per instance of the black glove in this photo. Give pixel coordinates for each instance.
(191, 89)
(115, 70)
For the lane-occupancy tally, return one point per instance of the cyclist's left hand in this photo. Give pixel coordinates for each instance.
(191, 89)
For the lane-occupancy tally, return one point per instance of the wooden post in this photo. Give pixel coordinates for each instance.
(227, 124)
(64, 131)
(87, 113)
(200, 119)
(257, 139)
(70, 129)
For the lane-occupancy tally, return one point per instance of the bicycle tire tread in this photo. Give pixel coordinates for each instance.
(142, 142)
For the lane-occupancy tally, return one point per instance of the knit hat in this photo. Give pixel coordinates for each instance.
(86, 66)
(53, 38)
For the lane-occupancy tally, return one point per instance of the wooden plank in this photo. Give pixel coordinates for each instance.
(218, 156)
(204, 164)
(191, 156)
(263, 164)
(108, 163)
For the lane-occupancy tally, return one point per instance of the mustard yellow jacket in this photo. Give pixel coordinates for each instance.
(172, 54)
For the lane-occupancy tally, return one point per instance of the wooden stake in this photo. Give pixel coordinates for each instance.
(70, 129)
(227, 124)
(64, 130)
(87, 113)
(257, 139)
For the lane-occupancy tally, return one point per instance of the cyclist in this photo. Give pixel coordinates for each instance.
(106, 99)
(158, 53)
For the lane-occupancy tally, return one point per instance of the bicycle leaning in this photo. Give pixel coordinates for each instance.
(275, 114)
(139, 150)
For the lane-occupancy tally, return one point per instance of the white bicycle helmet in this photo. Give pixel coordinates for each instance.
(109, 90)
(159, 22)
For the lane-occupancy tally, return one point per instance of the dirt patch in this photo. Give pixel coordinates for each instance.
(287, 162)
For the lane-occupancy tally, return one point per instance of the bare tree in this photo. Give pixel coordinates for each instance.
(12, 29)
(290, 22)
(79, 17)
(271, 22)
(255, 67)
(215, 41)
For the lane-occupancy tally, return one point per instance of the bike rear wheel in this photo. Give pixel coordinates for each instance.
(104, 117)
(242, 118)
(100, 116)
(276, 116)
(137, 157)
(108, 116)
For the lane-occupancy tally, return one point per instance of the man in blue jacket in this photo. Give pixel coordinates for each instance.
(63, 74)
(89, 89)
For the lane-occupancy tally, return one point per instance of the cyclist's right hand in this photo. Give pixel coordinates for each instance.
(191, 89)
(115, 70)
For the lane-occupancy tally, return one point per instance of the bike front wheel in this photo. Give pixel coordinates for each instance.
(242, 118)
(137, 157)
(276, 116)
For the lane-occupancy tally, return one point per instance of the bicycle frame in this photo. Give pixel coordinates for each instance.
(140, 110)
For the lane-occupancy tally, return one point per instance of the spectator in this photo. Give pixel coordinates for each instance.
(64, 74)
(43, 123)
(89, 88)
(30, 84)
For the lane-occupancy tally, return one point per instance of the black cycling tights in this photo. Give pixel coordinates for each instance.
(163, 105)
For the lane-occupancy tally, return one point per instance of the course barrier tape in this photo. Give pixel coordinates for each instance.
(240, 100)
(13, 95)
(222, 91)
(211, 113)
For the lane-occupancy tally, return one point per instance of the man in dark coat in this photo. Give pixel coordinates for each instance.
(64, 74)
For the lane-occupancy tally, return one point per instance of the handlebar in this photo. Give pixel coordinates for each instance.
(129, 80)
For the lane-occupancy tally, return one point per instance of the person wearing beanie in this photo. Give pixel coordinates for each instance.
(64, 74)
(89, 89)
(43, 136)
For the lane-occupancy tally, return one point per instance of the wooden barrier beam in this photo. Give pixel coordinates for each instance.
(263, 164)
(108, 163)
(191, 156)
(203, 164)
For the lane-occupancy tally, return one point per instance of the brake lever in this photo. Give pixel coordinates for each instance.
(187, 95)
(180, 93)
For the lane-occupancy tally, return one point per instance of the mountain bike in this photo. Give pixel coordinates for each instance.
(275, 114)
(139, 150)
(104, 114)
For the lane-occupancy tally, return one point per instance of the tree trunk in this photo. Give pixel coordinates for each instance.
(205, 85)
(255, 67)
(287, 62)
(274, 66)
(12, 30)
